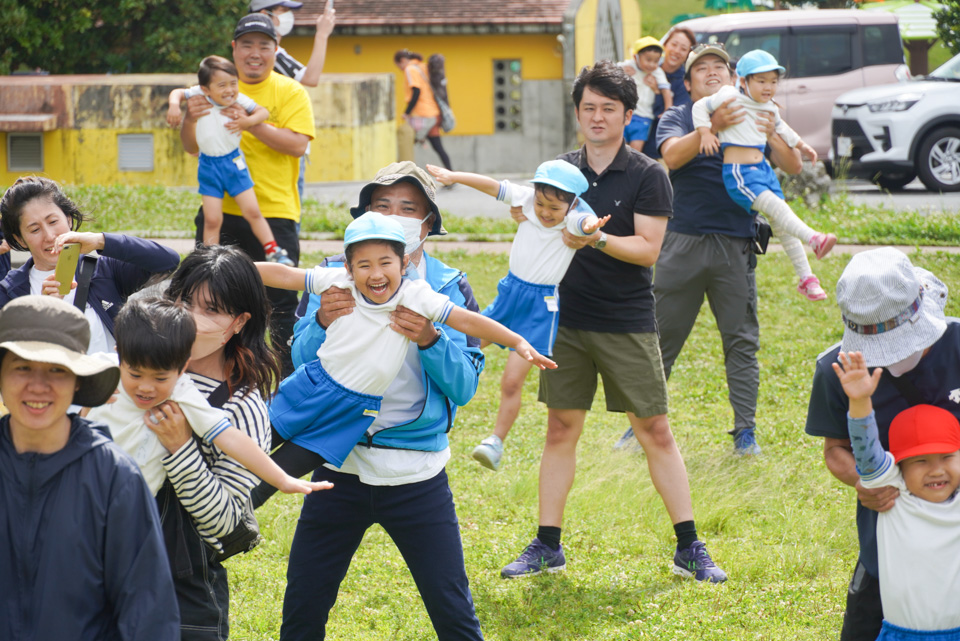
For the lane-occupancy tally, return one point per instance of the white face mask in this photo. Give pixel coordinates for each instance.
(411, 232)
(902, 367)
(286, 23)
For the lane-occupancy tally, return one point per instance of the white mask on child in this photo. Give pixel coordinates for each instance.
(411, 232)
(902, 367)
(286, 23)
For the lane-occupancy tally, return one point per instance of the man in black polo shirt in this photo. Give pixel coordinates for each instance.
(607, 327)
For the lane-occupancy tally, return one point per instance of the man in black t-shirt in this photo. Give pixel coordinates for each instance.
(607, 327)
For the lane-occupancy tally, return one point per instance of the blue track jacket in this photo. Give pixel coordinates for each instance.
(82, 554)
(451, 366)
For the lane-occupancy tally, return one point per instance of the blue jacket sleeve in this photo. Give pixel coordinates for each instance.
(143, 257)
(308, 336)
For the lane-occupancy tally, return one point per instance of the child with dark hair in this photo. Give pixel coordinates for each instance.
(221, 166)
(154, 341)
(325, 407)
(527, 301)
(645, 61)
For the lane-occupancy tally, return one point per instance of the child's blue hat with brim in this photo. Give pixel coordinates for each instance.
(562, 175)
(757, 61)
(373, 226)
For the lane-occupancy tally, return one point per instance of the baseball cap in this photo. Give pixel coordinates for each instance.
(373, 226)
(701, 50)
(643, 43)
(923, 429)
(260, 5)
(563, 175)
(403, 171)
(255, 23)
(887, 312)
(757, 61)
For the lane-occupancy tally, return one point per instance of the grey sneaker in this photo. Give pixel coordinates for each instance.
(695, 563)
(628, 441)
(745, 442)
(536, 559)
(489, 452)
(280, 256)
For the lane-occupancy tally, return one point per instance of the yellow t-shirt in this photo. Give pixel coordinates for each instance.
(275, 174)
(417, 76)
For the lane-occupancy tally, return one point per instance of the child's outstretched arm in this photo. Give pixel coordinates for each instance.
(872, 461)
(591, 223)
(174, 115)
(485, 184)
(282, 277)
(478, 326)
(857, 382)
(245, 451)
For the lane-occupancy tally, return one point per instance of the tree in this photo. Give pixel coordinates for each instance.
(948, 25)
(114, 36)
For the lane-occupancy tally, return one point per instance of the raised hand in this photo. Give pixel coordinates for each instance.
(857, 381)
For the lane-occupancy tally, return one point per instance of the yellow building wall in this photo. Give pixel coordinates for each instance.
(585, 26)
(468, 61)
(632, 23)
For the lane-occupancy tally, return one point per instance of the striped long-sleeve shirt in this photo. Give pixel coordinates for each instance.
(212, 486)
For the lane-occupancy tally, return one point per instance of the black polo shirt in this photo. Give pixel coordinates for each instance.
(600, 293)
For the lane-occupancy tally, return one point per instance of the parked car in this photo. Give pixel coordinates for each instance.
(825, 52)
(894, 133)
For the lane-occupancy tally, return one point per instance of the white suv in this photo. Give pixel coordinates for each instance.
(893, 133)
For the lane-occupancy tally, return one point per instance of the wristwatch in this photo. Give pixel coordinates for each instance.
(601, 242)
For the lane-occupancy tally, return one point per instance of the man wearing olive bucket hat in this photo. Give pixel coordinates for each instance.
(83, 556)
(893, 314)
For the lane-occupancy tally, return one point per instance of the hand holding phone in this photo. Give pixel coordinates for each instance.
(67, 267)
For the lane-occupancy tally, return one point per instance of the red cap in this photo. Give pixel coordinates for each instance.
(923, 429)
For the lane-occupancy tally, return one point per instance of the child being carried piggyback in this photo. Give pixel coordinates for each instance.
(645, 61)
(154, 340)
(527, 299)
(325, 407)
(748, 177)
(221, 166)
(918, 539)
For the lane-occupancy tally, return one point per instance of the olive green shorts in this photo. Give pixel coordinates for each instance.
(629, 364)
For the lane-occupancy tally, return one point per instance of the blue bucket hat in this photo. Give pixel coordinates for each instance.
(563, 176)
(757, 61)
(373, 226)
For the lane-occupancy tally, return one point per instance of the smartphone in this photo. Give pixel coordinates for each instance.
(67, 266)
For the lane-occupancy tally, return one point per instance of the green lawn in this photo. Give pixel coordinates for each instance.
(779, 524)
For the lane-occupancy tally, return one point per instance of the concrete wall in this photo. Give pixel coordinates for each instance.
(541, 139)
(354, 115)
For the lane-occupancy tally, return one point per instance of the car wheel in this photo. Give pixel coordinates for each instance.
(938, 160)
(893, 182)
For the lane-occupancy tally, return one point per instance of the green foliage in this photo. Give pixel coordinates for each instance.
(948, 25)
(118, 36)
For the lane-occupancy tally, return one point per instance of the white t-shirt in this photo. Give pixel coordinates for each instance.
(125, 421)
(402, 403)
(100, 339)
(213, 138)
(918, 548)
(538, 254)
(746, 133)
(361, 351)
(645, 95)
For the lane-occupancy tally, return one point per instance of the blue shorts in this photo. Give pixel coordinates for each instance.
(890, 632)
(638, 129)
(528, 309)
(218, 174)
(745, 182)
(319, 414)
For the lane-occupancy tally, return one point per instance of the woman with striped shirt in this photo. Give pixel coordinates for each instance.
(206, 491)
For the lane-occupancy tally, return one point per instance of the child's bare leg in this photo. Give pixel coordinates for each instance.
(247, 202)
(212, 219)
(637, 144)
(511, 390)
(778, 212)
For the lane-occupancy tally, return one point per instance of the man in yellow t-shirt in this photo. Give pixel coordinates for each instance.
(272, 151)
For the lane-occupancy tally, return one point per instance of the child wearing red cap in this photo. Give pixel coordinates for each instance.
(918, 540)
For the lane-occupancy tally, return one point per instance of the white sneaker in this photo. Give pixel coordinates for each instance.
(489, 452)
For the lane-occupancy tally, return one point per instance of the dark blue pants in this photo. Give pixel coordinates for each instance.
(421, 520)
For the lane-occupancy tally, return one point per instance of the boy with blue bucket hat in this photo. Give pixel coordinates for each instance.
(326, 405)
(527, 299)
(748, 177)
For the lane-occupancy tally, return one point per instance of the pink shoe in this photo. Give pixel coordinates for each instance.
(821, 244)
(810, 287)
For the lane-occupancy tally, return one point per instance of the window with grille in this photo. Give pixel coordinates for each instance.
(25, 152)
(507, 96)
(135, 152)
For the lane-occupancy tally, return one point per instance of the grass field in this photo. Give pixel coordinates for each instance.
(779, 524)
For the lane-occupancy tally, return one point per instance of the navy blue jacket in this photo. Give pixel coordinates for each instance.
(82, 556)
(125, 264)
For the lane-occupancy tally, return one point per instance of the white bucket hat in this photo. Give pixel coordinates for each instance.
(48, 330)
(888, 313)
